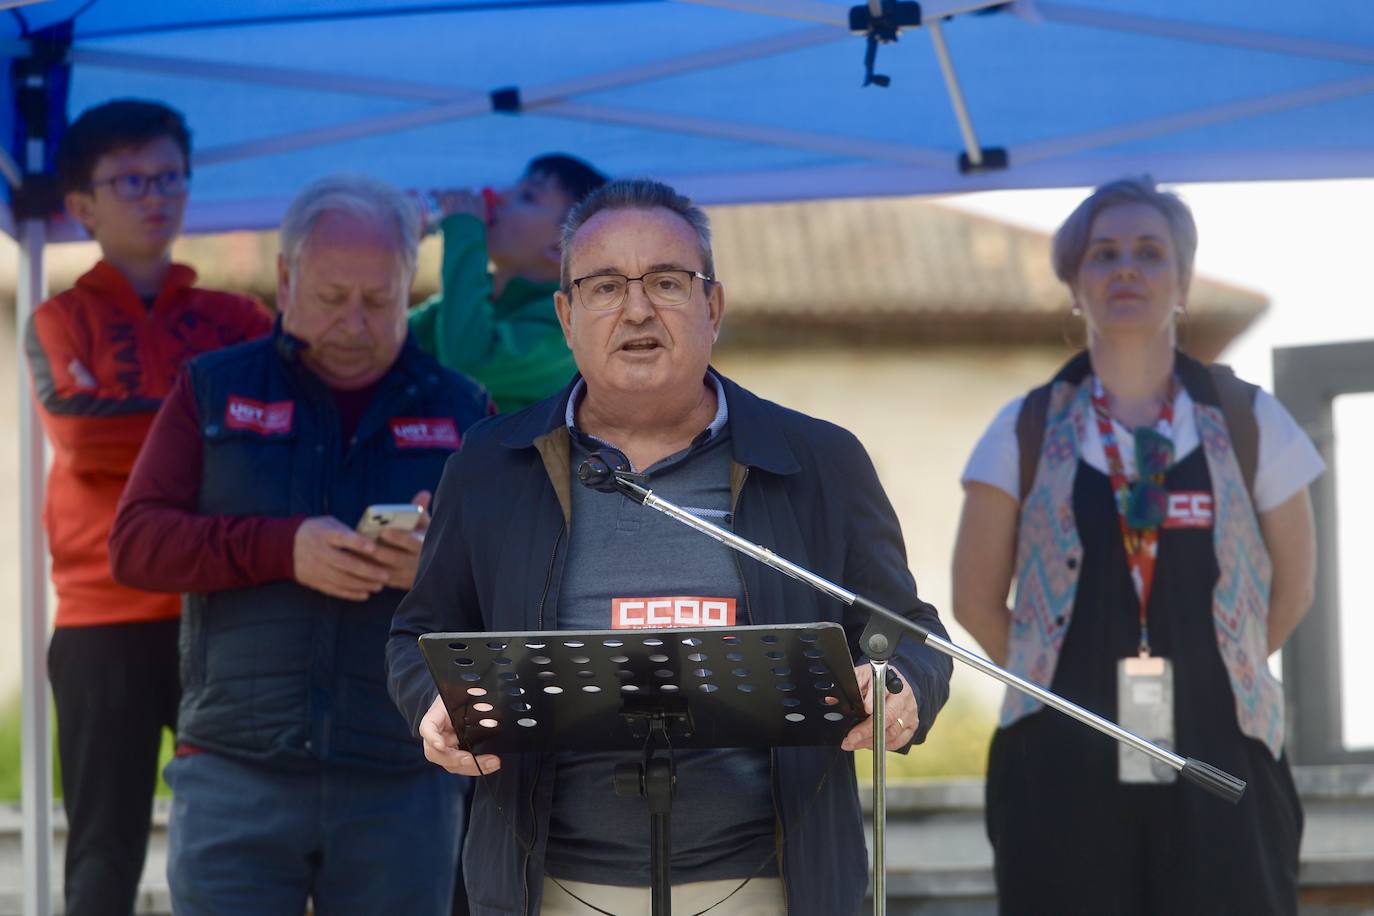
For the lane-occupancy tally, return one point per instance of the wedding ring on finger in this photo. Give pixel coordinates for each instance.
(901, 726)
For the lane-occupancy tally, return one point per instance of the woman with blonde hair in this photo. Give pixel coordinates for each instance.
(1154, 515)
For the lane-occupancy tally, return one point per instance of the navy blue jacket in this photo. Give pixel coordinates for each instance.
(281, 673)
(493, 561)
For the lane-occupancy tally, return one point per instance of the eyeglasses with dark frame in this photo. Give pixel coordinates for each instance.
(664, 288)
(135, 185)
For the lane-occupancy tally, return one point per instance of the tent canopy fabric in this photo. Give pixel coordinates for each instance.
(732, 100)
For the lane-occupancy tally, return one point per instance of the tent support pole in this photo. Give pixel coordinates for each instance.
(36, 727)
(268, 76)
(708, 127)
(1057, 147)
(1248, 39)
(531, 98)
(956, 95)
(9, 169)
(35, 709)
(836, 15)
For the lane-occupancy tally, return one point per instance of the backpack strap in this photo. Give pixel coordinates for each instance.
(1237, 400)
(1030, 434)
(1034, 413)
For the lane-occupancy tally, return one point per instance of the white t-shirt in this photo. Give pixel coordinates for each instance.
(1287, 460)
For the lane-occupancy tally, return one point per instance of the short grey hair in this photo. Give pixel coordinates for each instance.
(357, 195)
(1072, 238)
(636, 194)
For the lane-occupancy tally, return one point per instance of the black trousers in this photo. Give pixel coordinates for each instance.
(115, 687)
(460, 891)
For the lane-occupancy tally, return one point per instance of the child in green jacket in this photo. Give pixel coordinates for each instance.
(498, 325)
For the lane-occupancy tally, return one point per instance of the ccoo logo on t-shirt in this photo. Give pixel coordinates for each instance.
(1189, 509)
(680, 611)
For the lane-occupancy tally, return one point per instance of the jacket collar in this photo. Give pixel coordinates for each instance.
(106, 281)
(757, 439)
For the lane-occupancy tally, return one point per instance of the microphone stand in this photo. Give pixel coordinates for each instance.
(879, 644)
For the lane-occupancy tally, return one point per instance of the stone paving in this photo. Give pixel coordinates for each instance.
(939, 863)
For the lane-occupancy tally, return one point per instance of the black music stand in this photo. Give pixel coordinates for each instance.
(647, 690)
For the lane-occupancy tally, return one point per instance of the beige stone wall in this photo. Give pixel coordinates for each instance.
(919, 413)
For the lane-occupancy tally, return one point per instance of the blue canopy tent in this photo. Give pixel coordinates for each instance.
(731, 100)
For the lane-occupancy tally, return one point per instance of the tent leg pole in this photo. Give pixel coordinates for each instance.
(36, 728)
(956, 95)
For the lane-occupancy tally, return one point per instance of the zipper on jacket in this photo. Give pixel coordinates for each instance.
(778, 831)
(534, 820)
(734, 514)
(534, 835)
(548, 579)
(150, 347)
(327, 468)
(329, 456)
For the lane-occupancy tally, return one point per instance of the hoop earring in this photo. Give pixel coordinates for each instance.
(1064, 321)
(1183, 328)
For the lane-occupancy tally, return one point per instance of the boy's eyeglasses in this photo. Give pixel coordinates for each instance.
(135, 185)
(1147, 501)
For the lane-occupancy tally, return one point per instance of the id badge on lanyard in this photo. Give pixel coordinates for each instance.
(1144, 682)
(1145, 706)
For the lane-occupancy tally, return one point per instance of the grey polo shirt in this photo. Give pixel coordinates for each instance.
(723, 820)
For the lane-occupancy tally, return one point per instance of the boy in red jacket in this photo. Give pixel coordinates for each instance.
(103, 356)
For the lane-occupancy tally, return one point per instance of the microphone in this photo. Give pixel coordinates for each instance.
(604, 468)
(599, 469)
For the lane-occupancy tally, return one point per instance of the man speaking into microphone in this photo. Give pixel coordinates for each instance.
(765, 831)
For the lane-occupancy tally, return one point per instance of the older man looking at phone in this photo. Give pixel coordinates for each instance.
(295, 777)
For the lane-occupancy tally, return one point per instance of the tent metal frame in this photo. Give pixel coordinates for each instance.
(36, 712)
(558, 99)
(35, 708)
(894, 167)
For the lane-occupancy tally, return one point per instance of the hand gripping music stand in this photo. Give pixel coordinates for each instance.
(609, 472)
(649, 690)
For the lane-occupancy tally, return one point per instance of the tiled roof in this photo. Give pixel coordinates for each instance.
(914, 269)
(880, 270)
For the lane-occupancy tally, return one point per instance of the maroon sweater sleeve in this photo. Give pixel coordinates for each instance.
(159, 543)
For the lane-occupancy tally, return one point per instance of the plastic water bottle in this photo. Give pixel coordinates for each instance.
(432, 212)
(490, 198)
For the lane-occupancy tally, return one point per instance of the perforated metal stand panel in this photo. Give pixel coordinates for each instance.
(720, 687)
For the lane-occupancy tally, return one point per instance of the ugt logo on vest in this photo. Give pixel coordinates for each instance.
(424, 432)
(256, 417)
(681, 611)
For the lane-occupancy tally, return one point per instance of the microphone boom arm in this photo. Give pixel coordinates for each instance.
(1218, 782)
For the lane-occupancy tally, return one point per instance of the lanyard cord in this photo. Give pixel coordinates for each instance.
(1141, 544)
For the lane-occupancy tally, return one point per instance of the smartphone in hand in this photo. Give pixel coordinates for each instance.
(383, 516)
